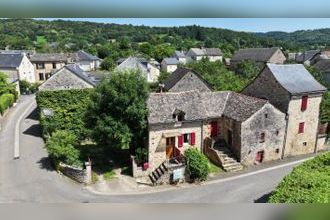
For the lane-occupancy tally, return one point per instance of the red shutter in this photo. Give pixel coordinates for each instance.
(304, 101)
(214, 129)
(180, 141)
(192, 138)
(301, 127)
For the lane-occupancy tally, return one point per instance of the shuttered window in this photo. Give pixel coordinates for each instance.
(301, 128)
(192, 138)
(180, 141)
(304, 101)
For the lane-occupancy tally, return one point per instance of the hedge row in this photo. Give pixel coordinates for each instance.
(308, 183)
(6, 101)
(68, 108)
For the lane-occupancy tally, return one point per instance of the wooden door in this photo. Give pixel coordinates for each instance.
(170, 145)
(214, 129)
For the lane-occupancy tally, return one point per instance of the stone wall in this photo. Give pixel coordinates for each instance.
(153, 73)
(302, 143)
(47, 70)
(277, 58)
(157, 140)
(78, 174)
(26, 70)
(269, 121)
(210, 152)
(190, 82)
(266, 86)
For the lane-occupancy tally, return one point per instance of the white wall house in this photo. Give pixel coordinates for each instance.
(86, 61)
(170, 64)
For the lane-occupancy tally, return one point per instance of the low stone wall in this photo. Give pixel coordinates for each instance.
(78, 174)
(211, 153)
(322, 142)
(139, 171)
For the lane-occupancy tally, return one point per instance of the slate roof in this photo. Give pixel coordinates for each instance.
(10, 60)
(177, 75)
(323, 65)
(75, 69)
(132, 63)
(295, 78)
(254, 54)
(51, 57)
(307, 55)
(171, 61)
(201, 106)
(179, 54)
(84, 56)
(206, 51)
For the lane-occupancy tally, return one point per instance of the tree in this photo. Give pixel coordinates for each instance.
(117, 116)
(162, 51)
(108, 64)
(247, 69)
(147, 49)
(6, 86)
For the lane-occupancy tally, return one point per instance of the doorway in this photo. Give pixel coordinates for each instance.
(170, 146)
(230, 138)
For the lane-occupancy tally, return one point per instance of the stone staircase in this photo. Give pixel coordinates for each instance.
(227, 158)
(159, 175)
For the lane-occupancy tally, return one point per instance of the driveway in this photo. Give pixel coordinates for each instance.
(31, 178)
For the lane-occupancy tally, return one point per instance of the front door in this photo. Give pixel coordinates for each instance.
(170, 145)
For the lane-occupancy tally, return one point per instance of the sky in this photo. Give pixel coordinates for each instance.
(237, 24)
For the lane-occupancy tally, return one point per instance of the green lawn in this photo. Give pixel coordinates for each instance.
(214, 169)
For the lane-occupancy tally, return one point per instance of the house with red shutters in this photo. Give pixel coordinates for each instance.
(294, 91)
(177, 121)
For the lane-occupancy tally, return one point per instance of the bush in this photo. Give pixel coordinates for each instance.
(61, 148)
(307, 183)
(197, 164)
(69, 108)
(6, 101)
(27, 88)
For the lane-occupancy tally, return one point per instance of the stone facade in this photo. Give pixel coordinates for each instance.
(78, 174)
(152, 73)
(190, 81)
(169, 68)
(63, 80)
(26, 70)
(43, 70)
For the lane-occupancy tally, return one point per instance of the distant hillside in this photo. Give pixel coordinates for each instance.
(309, 39)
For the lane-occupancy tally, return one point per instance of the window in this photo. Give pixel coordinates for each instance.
(277, 132)
(262, 137)
(54, 65)
(301, 128)
(304, 101)
(186, 138)
(266, 115)
(41, 77)
(40, 66)
(305, 144)
(277, 150)
(180, 117)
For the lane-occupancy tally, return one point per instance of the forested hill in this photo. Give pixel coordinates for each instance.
(62, 35)
(309, 39)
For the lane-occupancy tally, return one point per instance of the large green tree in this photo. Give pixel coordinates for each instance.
(117, 116)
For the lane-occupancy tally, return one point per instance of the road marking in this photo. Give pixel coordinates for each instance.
(17, 128)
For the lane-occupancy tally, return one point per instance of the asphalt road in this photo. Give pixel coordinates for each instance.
(31, 178)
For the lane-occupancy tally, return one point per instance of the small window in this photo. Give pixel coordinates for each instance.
(41, 77)
(305, 144)
(54, 65)
(301, 127)
(186, 138)
(266, 115)
(40, 66)
(277, 151)
(180, 117)
(304, 101)
(277, 132)
(262, 137)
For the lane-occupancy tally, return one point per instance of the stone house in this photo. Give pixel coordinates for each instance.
(252, 128)
(323, 66)
(45, 64)
(17, 66)
(183, 79)
(309, 57)
(213, 54)
(86, 61)
(169, 64)
(260, 56)
(68, 77)
(148, 69)
(181, 56)
(294, 91)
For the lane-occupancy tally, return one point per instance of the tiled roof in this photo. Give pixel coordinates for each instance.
(177, 75)
(84, 56)
(206, 51)
(171, 61)
(10, 60)
(132, 63)
(51, 57)
(200, 106)
(323, 65)
(75, 69)
(179, 54)
(307, 55)
(254, 54)
(295, 78)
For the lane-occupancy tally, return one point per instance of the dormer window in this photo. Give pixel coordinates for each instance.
(179, 115)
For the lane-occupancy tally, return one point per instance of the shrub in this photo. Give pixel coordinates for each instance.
(197, 164)
(27, 88)
(307, 183)
(6, 101)
(61, 147)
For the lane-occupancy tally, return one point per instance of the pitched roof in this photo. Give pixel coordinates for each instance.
(12, 60)
(171, 61)
(84, 56)
(295, 78)
(206, 51)
(307, 55)
(179, 54)
(200, 106)
(52, 57)
(254, 54)
(75, 69)
(132, 63)
(177, 75)
(323, 65)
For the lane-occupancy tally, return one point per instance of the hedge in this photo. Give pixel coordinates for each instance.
(6, 101)
(68, 108)
(307, 183)
(197, 164)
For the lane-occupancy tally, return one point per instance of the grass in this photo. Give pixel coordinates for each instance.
(109, 175)
(214, 169)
